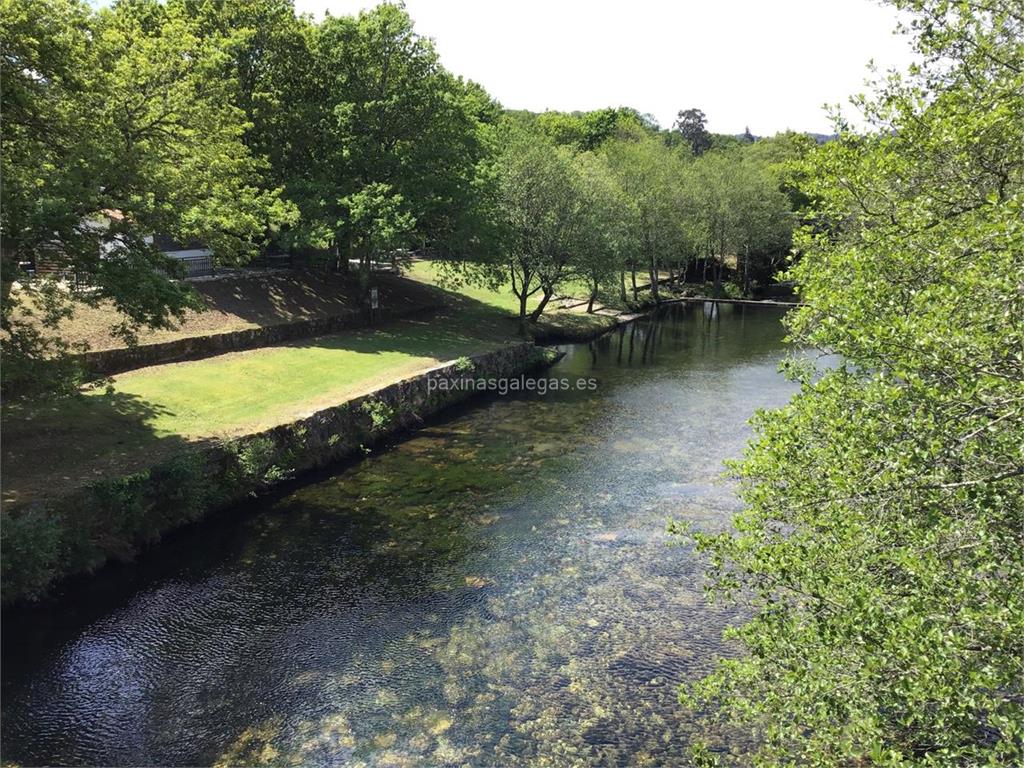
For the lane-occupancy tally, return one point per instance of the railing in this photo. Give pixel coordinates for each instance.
(197, 266)
(270, 261)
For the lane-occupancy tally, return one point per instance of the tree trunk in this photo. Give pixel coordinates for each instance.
(343, 250)
(522, 312)
(622, 286)
(548, 293)
(521, 293)
(633, 274)
(746, 271)
(364, 274)
(720, 267)
(593, 295)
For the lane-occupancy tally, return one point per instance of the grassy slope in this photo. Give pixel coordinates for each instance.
(150, 413)
(248, 300)
(502, 298)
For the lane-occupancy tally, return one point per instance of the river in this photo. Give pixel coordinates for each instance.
(497, 588)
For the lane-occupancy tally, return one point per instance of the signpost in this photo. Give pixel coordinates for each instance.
(374, 305)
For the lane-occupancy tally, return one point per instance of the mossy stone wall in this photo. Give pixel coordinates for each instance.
(116, 517)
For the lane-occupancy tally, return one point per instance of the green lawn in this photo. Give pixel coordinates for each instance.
(563, 325)
(244, 391)
(148, 414)
(501, 298)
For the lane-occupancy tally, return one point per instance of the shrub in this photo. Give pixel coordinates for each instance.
(255, 459)
(380, 414)
(181, 488)
(29, 552)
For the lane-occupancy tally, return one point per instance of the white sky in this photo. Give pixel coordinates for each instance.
(769, 64)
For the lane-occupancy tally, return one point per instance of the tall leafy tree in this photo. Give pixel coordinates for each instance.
(270, 62)
(540, 213)
(47, 61)
(691, 125)
(396, 125)
(741, 213)
(881, 554)
(118, 125)
(649, 174)
(603, 244)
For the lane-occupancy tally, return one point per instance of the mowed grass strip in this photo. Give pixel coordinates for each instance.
(247, 391)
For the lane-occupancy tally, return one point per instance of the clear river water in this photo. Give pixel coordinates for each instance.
(497, 588)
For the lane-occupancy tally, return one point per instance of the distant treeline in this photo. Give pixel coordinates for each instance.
(244, 126)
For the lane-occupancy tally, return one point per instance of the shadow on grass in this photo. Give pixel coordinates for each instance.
(267, 299)
(463, 325)
(54, 446)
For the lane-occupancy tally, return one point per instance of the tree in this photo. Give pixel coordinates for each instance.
(392, 119)
(741, 214)
(881, 554)
(117, 125)
(584, 131)
(540, 213)
(763, 228)
(690, 125)
(649, 174)
(381, 218)
(603, 240)
(784, 156)
(271, 63)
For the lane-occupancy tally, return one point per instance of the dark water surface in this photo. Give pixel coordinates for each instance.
(497, 589)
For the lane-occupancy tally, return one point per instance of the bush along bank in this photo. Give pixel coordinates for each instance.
(113, 518)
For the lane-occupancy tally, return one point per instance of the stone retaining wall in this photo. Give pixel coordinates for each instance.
(104, 362)
(113, 518)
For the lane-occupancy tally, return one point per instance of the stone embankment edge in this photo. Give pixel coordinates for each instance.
(113, 519)
(567, 334)
(105, 362)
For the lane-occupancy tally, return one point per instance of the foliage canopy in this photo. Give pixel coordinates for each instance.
(882, 551)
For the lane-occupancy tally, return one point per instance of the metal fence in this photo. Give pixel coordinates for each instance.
(197, 266)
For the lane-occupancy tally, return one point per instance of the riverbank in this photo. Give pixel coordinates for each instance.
(82, 476)
(454, 599)
(146, 415)
(146, 432)
(113, 517)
